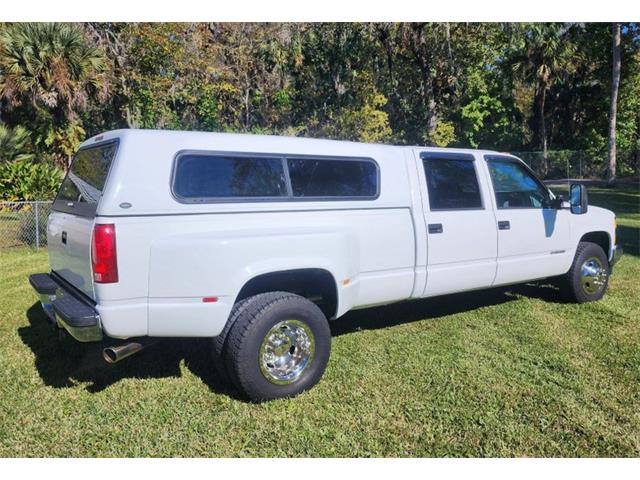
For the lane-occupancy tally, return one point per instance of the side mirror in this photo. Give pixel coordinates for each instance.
(578, 199)
(558, 202)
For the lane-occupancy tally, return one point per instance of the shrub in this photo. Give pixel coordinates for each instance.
(15, 144)
(24, 180)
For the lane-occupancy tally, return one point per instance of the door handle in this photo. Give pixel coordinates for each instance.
(504, 225)
(64, 237)
(435, 228)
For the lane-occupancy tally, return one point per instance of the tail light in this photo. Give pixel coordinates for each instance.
(103, 254)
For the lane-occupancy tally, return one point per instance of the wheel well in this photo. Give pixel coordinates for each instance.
(316, 284)
(599, 238)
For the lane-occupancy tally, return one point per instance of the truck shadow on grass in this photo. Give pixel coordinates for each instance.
(629, 238)
(63, 363)
(437, 307)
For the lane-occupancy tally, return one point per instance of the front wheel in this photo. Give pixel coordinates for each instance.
(278, 346)
(588, 277)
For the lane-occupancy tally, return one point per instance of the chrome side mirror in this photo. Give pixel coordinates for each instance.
(578, 199)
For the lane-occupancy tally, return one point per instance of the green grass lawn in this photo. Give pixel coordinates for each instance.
(505, 372)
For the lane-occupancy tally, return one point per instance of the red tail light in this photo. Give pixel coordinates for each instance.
(103, 254)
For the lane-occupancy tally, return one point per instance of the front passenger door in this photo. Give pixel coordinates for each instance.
(533, 237)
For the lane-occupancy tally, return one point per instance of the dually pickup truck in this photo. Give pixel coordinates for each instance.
(259, 241)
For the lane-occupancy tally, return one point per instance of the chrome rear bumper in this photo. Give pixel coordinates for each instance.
(66, 309)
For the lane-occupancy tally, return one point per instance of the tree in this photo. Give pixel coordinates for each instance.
(333, 78)
(613, 111)
(422, 54)
(628, 114)
(254, 63)
(109, 37)
(49, 72)
(542, 56)
(503, 86)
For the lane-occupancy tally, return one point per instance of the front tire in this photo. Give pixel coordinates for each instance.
(588, 277)
(277, 347)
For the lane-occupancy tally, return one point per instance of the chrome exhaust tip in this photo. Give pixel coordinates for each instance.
(120, 352)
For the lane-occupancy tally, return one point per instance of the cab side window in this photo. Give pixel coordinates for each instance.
(452, 183)
(515, 186)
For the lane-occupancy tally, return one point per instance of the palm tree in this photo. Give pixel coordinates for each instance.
(51, 70)
(542, 56)
(613, 109)
(50, 65)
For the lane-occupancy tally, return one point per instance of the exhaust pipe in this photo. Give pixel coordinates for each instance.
(120, 352)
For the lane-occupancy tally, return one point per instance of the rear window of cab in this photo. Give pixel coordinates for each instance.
(208, 177)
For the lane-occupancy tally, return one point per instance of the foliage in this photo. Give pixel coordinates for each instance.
(542, 56)
(369, 123)
(48, 73)
(509, 87)
(24, 180)
(15, 144)
(628, 125)
(483, 120)
(443, 135)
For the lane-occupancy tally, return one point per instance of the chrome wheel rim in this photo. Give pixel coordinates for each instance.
(593, 275)
(286, 351)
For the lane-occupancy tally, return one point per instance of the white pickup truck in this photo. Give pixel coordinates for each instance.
(259, 241)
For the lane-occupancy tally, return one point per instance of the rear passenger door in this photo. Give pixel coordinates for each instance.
(461, 229)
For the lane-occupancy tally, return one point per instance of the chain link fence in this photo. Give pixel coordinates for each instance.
(580, 164)
(24, 224)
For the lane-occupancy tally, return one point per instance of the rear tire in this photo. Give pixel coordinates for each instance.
(220, 341)
(588, 277)
(277, 347)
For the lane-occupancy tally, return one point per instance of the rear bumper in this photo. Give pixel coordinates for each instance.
(67, 308)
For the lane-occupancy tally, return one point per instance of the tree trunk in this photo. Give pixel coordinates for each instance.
(637, 156)
(540, 126)
(427, 87)
(128, 115)
(384, 36)
(131, 123)
(447, 29)
(247, 104)
(543, 124)
(613, 112)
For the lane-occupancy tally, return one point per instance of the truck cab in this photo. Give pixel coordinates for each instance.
(259, 241)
